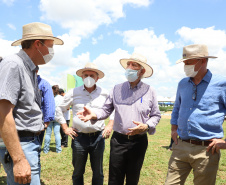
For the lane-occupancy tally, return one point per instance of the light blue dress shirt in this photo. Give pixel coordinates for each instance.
(201, 118)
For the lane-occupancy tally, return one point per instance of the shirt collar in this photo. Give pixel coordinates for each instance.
(27, 60)
(136, 87)
(206, 78)
(84, 89)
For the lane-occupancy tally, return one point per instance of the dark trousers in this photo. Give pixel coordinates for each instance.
(82, 146)
(64, 137)
(126, 159)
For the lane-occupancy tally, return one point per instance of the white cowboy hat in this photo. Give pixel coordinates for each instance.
(135, 57)
(195, 51)
(37, 30)
(90, 67)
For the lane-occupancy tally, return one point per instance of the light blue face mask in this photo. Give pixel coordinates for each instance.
(131, 75)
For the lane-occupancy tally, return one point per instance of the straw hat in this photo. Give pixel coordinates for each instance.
(195, 51)
(135, 57)
(90, 67)
(37, 30)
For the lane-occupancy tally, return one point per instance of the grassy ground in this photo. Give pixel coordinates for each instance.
(57, 168)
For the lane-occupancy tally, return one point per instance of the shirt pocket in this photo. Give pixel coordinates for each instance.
(144, 106)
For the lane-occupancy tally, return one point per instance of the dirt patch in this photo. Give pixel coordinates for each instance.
(167, 115)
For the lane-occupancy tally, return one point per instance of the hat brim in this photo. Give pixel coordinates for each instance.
(182, 59)
(80, 71)
(56, 40)
(148, 69)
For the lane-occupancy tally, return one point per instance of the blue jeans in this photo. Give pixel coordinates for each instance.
(56, 128)
(31, 148)
(82, 146)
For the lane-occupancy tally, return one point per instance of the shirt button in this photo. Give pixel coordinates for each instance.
(188, 120)
(189, 132)
(190, 108)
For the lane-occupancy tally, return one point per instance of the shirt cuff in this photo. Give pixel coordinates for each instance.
(152, 128)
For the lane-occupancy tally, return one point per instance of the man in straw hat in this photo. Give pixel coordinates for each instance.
(20, 102)
(136, 113)
(197, 119)
(87, 138)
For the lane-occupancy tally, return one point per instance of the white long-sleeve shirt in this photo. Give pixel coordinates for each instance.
(78, 98)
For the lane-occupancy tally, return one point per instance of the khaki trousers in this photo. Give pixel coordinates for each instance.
(186, 156)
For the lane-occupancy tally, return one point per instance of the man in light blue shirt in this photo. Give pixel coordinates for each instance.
(197, 119)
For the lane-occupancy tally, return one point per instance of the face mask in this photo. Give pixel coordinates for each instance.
(49, 56)
(89, 82)
(131, 75)
(190, 70)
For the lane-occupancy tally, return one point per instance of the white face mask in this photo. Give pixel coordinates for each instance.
(49, 56)
(190, 70)
(131, 75)
(89, 82)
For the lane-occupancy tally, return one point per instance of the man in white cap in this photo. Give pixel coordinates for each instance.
(136, 113)
(87, 138)
(197, 119)
(20, 102)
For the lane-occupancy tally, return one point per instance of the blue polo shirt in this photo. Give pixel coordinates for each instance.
(201, 118)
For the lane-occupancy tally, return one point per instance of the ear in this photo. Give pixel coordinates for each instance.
(37, 44)
(142, 71)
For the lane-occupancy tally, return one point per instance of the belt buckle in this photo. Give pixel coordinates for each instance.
(128, 136)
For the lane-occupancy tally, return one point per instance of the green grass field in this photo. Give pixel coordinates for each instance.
(57, 168)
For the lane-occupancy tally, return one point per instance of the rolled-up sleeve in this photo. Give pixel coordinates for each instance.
(63, 107)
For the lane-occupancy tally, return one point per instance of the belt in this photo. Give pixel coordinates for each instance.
(196, 142)
(27, 133)
(129, 137)
(90, 134)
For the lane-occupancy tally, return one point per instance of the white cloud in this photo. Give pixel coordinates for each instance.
(11, 26)
(95, 40)
(150, 45)
(6, 48)
(84, 17)
(8, 2)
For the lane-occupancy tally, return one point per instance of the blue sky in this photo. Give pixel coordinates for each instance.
(103, 32)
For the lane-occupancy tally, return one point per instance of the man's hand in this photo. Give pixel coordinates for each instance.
(71, 132)
(174, 133)
(86, 115)
(138, 129)
(216, 145)
(107, 132)
(174, 136)
(22, 171)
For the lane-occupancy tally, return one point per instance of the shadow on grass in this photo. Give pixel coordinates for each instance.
(3, 180)
(166, 147)
(52, 147)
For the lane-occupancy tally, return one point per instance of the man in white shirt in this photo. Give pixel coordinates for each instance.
(89, 138)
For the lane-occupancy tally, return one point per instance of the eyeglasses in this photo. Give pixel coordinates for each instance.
(194, 92)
